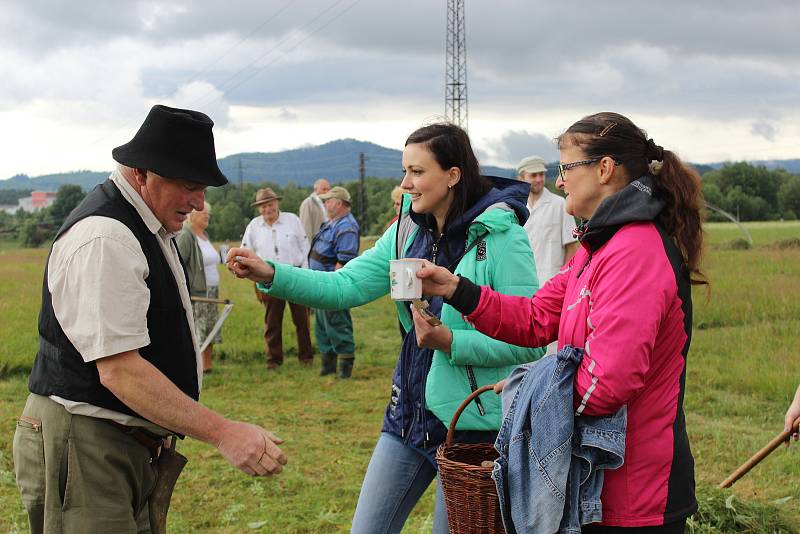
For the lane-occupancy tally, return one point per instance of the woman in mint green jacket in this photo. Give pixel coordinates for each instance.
(454, 217)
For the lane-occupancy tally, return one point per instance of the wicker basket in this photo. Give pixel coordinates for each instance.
(469, 491)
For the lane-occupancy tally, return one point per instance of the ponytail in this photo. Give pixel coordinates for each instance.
(612, 134)
(682, 218)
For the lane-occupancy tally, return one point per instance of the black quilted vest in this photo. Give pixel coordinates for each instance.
(59, 369)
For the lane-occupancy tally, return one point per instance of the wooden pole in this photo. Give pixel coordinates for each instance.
(760, 455)
(213, 301)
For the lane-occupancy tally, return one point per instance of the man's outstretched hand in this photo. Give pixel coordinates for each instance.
(252, 449)
(244, 263)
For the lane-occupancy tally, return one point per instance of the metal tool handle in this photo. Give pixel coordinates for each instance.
(212, 301)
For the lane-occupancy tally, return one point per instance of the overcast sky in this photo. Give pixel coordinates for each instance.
(712, 80)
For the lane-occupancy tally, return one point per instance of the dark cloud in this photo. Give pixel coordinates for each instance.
(764, 129)
(316, 80)
(703, 59)
(542, 32)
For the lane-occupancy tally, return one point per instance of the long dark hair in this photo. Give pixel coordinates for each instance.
(612, 134)
(450, 145)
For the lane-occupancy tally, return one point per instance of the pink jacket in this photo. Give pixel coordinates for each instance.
(627, 303)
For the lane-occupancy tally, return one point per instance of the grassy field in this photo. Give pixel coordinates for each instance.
(743, 369)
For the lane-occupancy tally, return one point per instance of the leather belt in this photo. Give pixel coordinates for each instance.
(149, 440)
(325, 260)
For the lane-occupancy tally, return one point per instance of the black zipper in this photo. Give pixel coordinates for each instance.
(410, 428)
(473, 384)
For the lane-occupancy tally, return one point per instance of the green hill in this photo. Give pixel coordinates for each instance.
(337, 161)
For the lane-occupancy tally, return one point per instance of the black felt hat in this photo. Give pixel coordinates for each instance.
(174, 143)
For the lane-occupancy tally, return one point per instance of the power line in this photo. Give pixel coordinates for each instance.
(362, 202)
(230, 49)
(208, 66)
(268, 52)
(131, 123)
(283, 52)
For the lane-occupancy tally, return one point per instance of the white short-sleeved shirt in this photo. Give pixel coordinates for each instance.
(284, 241)
(549, 228)
(93, 268)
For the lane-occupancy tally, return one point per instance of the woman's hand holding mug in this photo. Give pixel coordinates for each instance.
(437, 281)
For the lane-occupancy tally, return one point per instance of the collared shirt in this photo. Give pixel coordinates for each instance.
(93, 267)
(284, 241)
(549, 228)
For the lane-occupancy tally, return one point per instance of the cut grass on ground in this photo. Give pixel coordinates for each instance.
(743, 369)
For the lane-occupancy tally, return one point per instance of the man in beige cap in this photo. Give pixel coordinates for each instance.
(279, 236)
(336, 243)
(549, 227)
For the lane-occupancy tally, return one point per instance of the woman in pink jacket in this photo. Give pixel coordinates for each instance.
(624, 298)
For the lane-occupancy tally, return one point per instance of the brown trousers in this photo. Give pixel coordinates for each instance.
(273, 329)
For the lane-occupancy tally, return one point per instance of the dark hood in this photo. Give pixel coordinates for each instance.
(513, 193)
(633, 203)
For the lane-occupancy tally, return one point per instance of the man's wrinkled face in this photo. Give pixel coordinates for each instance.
(170, 200)
(321, 187)
(332, 207)
(269, 210)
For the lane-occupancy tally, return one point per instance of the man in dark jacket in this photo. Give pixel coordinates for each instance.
(118, 367)
(336, 243)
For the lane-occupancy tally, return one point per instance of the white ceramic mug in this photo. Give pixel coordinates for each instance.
(403, 279)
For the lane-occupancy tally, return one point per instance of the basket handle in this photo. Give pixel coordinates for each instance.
(461, 408)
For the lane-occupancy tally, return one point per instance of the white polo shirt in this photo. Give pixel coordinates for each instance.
(284, 241)
(96, 276)
(549, 228)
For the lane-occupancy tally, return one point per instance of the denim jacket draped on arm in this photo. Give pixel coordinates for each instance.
(549, 475)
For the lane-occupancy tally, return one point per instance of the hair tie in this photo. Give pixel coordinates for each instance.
(653, 152)
(655, 168)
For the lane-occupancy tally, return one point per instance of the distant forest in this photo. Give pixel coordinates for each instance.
(748, 192)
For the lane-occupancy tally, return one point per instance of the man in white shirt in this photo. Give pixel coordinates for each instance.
(312, 211)
(549, 227)
(118, 367)
(279, 236)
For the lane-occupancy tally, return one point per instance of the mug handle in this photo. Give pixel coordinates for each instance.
(409, 278)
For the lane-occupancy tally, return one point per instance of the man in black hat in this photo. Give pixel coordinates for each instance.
(118, 368)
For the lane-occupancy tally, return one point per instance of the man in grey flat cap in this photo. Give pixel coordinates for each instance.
(549, 227)
(118, 370)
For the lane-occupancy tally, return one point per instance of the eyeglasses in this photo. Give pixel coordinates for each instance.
(564, 167)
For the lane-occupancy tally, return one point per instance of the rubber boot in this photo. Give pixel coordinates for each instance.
(346, 365)
(328, 364)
